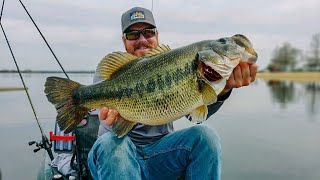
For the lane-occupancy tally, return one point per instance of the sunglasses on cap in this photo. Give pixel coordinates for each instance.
(134, 35)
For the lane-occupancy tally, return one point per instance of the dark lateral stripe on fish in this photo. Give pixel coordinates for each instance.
(158, 83)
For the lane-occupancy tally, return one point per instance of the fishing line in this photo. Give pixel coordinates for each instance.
(45, 144)
(1, 10)
(44, 39)
(152, 6)
(24, 85)
(18, 69)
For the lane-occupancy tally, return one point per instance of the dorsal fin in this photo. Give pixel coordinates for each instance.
(158, 50)
(113, 62)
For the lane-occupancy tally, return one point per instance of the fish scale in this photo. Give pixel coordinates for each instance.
(169, 104)
(129, 107)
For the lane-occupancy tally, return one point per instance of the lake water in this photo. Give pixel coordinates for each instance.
(269, 130)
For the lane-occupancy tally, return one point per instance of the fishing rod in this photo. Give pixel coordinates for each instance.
(44, 143)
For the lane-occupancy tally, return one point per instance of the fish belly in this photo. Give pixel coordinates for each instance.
(162, 107)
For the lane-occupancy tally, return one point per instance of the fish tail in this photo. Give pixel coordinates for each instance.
(59, 92)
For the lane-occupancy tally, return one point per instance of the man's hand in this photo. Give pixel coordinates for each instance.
(243, 74)
(110, 116)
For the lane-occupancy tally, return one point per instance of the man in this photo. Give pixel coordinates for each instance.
(159, 152)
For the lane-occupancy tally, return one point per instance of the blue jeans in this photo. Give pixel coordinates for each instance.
(191, 153)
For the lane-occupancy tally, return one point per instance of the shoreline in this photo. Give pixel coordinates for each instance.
(290, 76)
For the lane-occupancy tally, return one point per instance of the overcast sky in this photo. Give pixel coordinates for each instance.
(82, 32)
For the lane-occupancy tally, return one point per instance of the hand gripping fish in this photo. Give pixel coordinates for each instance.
(158, 88)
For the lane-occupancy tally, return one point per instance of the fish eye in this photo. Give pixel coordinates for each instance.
(222, 40)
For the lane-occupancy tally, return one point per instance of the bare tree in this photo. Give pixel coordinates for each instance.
(313, 60)
(284, 58)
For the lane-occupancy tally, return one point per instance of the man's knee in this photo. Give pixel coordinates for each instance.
(110, 142)
(112, 156)
(207, 136)
(110, 149)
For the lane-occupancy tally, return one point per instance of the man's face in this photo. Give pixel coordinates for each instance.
(142, 45)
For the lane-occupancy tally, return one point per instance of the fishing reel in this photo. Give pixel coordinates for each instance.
(43, 144)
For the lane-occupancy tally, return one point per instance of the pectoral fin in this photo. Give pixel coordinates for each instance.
(200, 114)
(121, 127)
(209, 96)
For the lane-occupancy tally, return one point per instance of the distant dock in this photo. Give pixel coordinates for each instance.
(11, 88)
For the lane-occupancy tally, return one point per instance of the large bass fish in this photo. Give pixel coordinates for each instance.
(158, 88)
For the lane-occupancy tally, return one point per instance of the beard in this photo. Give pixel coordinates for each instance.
(145, 44)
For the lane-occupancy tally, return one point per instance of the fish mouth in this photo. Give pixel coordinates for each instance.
(209, 73)
(252, 55)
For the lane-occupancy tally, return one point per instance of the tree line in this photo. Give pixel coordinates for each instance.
(285, 57)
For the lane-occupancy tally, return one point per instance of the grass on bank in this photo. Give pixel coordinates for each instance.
(290, 76)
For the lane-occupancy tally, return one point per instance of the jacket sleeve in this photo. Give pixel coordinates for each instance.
(213, 108)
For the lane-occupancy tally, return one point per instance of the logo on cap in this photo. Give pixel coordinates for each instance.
(137, 15)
